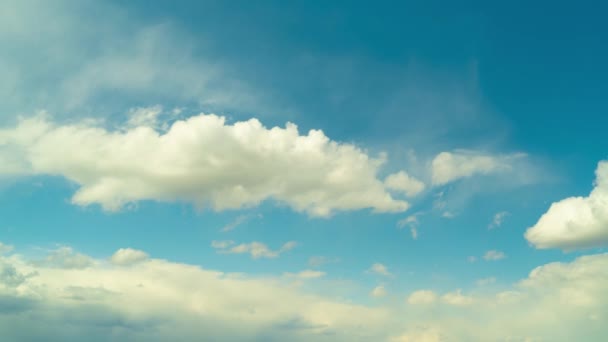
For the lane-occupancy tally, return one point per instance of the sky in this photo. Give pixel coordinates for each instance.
(303, 171)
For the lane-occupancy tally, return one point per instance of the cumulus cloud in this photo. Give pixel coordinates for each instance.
(203, 160)
(66, 257)
(380, 269)
(378, 291)
(494, 255)
(128, 256)
(575, 222)
(447, 167)
(256, 249)
(405, 183)
(422, 297)
(457, 298)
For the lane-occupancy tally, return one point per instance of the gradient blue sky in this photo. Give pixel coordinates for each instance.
(514, 93)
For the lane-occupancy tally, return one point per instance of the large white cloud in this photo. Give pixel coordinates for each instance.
(575, 222)
(447, 167)
(203, 160)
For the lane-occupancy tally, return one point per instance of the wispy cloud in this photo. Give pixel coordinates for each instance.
(380, 269)
(498, 219)
(494, 255)
(256, 249)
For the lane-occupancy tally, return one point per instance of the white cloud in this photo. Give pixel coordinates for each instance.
(128, 256)
(422, 297)
(159, 300)
(494, 255)
(471, 258)
(380, 269)
(306, 274)
(405, 183)
(457, 298)
(256, 249)
(378, 291)
(65, 257)
(202, 160)
(447, 167)
(498, 219)
(575, 222)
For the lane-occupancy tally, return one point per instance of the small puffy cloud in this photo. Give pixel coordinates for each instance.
(471, 258)
(256, 249)
(203, 160)
(447, 167)
(457, 298)
(378, 291)
(4, 248)
(422, 297)
(128, 256)
(306, 274)
(494, 255)
(498, 219)
(405, 183)
(380, 269)
(575, 222)
(66, 257)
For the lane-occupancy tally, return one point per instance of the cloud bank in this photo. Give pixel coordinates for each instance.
(159, 300)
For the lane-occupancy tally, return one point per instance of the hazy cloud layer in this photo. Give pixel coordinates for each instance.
(156, 300)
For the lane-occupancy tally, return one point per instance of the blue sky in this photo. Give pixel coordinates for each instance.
(265, 169)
